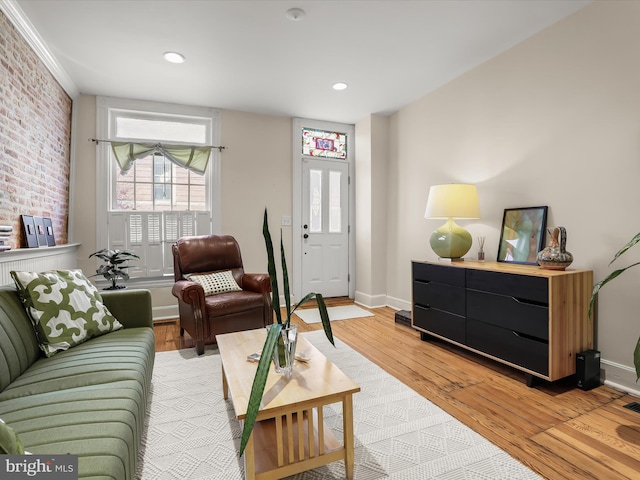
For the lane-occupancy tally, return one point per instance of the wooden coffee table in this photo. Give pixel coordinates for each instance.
(289, 435)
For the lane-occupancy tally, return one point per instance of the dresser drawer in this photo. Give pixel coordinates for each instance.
(525, 318)
(441, 323)
(522, 287)
(509, 346)
(448, 275)
(440, 296)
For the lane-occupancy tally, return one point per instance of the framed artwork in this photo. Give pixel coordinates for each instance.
(42, 237)
(29, 238)
(48, 232)
(522, 234)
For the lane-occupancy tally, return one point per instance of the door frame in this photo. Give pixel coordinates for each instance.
(296, 227)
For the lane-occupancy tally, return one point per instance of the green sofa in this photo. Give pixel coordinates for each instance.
(90, 400)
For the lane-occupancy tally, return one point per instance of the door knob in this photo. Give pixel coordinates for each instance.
(306, 235)
(305, 226)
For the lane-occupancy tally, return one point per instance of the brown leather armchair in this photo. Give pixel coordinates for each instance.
(204, 317)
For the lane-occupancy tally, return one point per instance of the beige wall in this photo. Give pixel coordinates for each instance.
(82, 211)
(554, 121)
(371, 206)
(256, 173)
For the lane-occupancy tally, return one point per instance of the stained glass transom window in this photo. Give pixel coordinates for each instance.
(320, 143)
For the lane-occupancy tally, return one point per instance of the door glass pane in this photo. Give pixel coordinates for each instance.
(315, 201)
(335, 209)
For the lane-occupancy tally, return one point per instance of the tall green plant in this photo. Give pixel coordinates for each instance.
(607, 279)
(262, 372)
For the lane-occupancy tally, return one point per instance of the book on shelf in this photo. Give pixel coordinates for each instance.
(4, 248)
(6, 228)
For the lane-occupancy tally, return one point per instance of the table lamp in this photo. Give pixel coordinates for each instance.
(451, 201)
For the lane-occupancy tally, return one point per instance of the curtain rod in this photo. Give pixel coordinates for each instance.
(218, 147)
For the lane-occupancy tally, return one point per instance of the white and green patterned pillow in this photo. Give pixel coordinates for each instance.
(213, 283)
(65, 308)
(10, 443)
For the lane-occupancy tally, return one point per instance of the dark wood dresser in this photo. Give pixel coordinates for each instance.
(527, 317)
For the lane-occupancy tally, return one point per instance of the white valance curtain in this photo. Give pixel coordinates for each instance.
(192, 158)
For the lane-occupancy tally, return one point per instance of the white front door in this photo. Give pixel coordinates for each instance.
(325, 227)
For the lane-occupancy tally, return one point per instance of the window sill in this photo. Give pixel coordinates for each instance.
(148, 283)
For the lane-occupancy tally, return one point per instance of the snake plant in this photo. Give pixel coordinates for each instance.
(607, 279)
(273, 335)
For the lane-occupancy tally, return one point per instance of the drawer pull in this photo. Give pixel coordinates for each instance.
(528, 302)
(529, 337)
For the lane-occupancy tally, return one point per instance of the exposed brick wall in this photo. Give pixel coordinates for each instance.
(35, 134)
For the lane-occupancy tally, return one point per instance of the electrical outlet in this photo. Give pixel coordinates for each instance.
(286, 221)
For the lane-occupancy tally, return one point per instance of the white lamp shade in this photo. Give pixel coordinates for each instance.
(455, 200)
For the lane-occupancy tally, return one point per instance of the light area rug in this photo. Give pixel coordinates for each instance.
(312, 315)
(191, 431)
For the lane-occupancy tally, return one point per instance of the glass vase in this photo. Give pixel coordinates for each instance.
(285, 352)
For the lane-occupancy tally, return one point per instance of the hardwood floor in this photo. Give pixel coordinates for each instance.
(559, 431)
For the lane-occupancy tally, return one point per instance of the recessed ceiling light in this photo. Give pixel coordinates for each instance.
(173, 57)
(340, 86)
(295, 14)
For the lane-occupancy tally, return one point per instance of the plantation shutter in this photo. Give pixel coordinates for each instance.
(153, 248)
(182, 224)
(150, 235)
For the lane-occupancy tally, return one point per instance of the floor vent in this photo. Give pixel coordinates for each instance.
(635, 406)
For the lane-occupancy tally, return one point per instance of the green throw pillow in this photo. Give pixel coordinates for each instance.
(10, 444)
(65, 308)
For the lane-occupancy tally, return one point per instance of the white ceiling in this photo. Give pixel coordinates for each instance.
(247, 56)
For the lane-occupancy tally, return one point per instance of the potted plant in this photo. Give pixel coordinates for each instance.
(114, 268)
(276, 341)
(607, 279)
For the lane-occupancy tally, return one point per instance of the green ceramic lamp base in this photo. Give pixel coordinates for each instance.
(450, 240)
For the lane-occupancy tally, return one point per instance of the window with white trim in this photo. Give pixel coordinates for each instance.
(156, 201)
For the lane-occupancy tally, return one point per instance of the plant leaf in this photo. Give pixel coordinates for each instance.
(271, 267)
(285, 281)
(306, 298)
(602, 283)
(259, 382)
(630, 244)
(324, 315)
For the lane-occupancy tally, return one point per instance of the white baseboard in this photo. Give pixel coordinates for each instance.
(620, 377)
(377, 301)
(398, 303)
(165, 312)
(370, 301)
